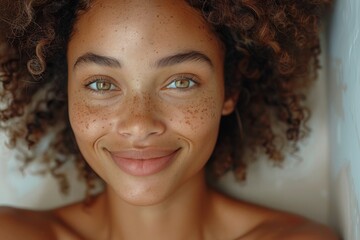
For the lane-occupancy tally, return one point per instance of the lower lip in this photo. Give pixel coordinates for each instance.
(144, 167)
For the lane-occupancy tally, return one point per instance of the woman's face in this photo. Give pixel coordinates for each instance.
(146, 94)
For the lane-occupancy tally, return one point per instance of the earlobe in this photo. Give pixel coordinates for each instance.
(229, 105)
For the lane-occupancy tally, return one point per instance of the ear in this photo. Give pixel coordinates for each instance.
(230, 104)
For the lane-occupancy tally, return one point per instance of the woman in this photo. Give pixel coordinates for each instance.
(149, 86)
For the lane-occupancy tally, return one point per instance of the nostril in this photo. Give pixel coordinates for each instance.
(125, 134)
(154, 133)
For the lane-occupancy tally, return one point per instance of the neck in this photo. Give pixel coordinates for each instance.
(181, 215)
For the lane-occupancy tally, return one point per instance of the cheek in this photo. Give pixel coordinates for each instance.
(88, 122)
(202, 115)
(196, 116)
(199, 127)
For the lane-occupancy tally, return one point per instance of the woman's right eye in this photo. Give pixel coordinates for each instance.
(101, 85)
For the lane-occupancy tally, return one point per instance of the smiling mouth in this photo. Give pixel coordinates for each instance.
(143, 162)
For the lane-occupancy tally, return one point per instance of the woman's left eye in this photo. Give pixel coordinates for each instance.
(182, 83)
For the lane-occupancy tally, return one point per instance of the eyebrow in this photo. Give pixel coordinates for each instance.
(184, 57)
(163, 62)
(97, 59)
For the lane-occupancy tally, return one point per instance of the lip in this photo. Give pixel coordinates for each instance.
(143, 162)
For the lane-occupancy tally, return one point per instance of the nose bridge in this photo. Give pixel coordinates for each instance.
(141, 117)
(141, 107)
(141, 104)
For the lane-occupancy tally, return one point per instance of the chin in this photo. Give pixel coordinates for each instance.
(139, 194)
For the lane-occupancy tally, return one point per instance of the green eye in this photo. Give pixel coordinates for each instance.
(182, 83)
(101, 85)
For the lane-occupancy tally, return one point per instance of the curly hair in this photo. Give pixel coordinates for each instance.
(271, 57)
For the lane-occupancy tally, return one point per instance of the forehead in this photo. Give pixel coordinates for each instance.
(142, 14)
(119, 26)
(135, 16)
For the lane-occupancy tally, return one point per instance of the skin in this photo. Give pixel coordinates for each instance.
(150, 107)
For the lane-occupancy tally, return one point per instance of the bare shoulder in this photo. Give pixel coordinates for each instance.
(37, 224)
(24, 224)
(81, 220)
(289, 227)
(247, 221)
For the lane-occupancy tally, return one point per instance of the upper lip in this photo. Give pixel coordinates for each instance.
(143, 154)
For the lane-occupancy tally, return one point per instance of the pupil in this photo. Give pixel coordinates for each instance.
(102, 86)
(182, 83)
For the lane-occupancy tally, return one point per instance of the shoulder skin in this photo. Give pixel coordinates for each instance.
(290, 228)
(247, 221)
(24, 224)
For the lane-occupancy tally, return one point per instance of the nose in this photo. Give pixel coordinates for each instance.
(140, 118)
